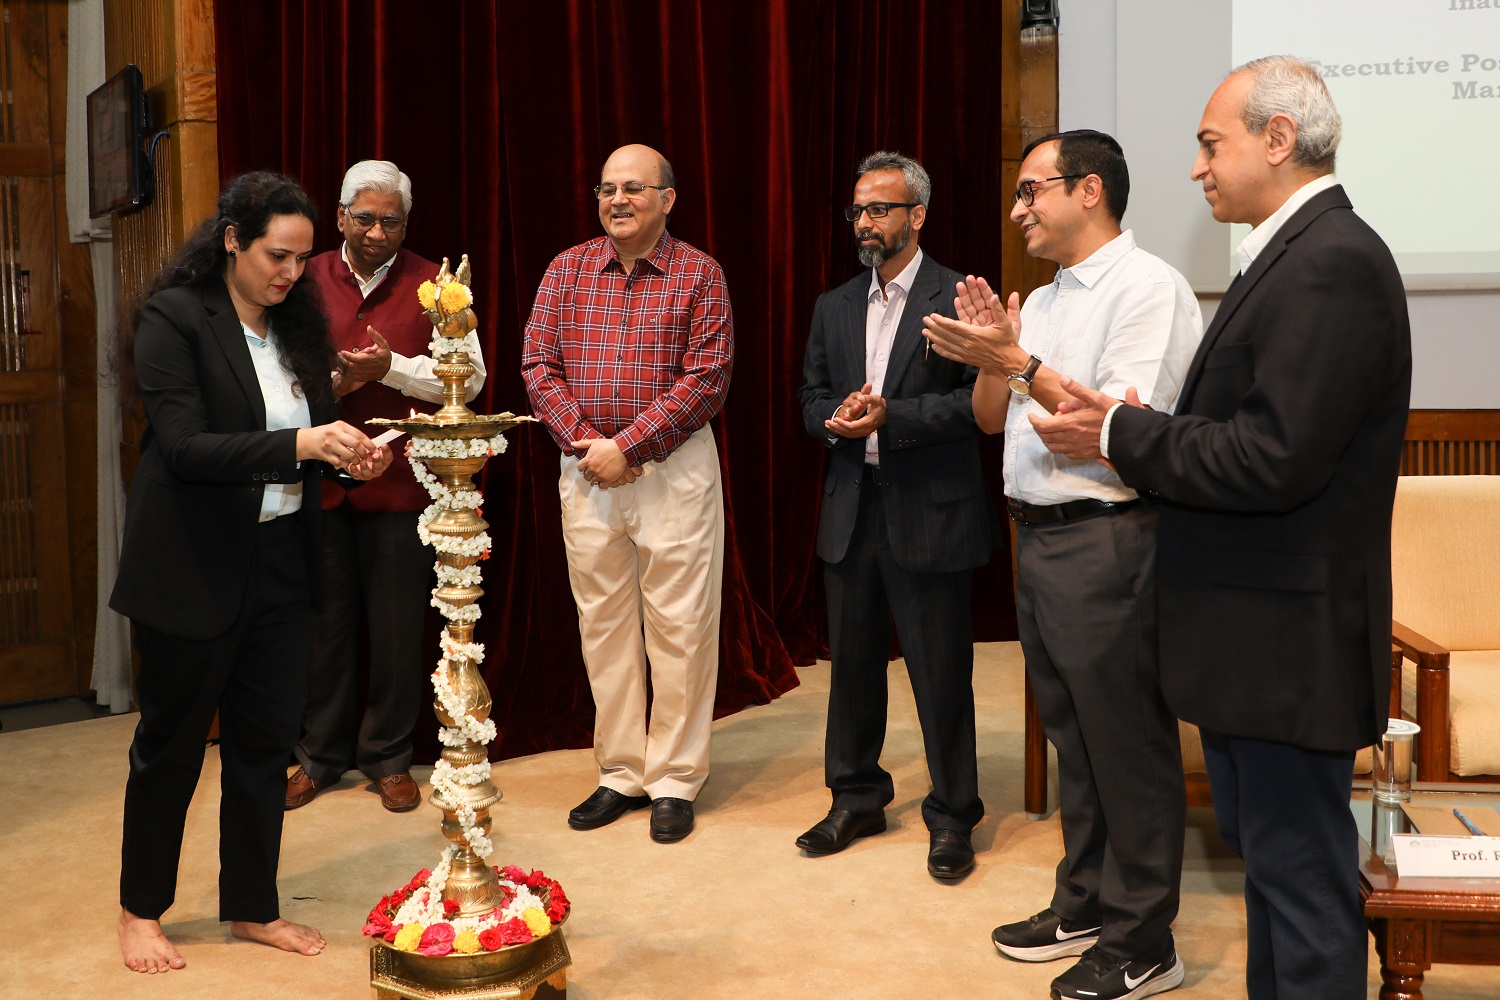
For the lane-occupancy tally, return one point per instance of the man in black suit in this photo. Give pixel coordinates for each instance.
(1277, 476)
(905, 520)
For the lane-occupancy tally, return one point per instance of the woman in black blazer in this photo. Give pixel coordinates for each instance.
(219, 566)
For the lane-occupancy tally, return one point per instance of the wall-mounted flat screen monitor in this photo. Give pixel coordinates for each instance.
(119, 168)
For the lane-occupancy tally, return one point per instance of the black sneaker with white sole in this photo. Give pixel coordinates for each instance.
(1100, 976)
(1043, 937)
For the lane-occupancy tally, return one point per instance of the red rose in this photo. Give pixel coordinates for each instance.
(514, 931)
(390, 935)
(418, 879)
(397, 898)
(436, 940)
(536, 880)
(450, 908)
(377, 925)
(557, 908)
(490, 939)
(514, 874)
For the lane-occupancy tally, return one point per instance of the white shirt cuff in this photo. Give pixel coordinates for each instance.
(1104, 430)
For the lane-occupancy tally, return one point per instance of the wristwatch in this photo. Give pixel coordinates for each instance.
(1020, 382)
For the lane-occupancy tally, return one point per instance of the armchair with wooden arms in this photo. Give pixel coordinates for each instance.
(1445, 566)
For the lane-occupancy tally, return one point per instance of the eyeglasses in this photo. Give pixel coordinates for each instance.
(876, 209)
(1026, 190)
(364, 221)
(631, 189)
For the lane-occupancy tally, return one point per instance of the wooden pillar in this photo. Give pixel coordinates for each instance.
(172, 41)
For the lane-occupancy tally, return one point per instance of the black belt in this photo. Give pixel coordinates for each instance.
(872, 474)
(1061, 513)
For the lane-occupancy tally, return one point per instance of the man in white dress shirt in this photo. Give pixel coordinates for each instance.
(1115, 316)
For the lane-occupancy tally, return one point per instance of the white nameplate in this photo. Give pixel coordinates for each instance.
(1447, 857)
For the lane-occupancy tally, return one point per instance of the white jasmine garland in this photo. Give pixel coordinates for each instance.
(468, 344)
(457, 576)
(425, 907)
(469, 774)
(456, 613)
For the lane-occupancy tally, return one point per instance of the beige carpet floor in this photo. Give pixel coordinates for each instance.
(734, 911)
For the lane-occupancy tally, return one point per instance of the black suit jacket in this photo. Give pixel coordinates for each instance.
(939, 513)
(193, 507)
(1279, 472)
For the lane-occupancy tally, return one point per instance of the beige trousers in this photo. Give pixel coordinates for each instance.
(646, 561)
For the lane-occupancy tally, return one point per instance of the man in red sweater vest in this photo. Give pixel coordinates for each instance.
(377, 572)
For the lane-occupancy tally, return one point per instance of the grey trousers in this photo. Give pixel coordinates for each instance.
(1086, 608)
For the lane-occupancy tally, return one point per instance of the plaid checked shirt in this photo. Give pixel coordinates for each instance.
(643, 358)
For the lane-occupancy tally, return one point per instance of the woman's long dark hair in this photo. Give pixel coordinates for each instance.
(248, 203)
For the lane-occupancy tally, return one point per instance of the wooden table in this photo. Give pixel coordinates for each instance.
(1418, 922)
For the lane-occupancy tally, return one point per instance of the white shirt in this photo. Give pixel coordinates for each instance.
(285, 408)
(1121, 318)
(882, 317)
(1249, 249)
(1251, 246)
(368, 285)
(415, 376)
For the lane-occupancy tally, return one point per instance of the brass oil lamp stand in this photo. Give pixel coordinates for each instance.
(453, 444)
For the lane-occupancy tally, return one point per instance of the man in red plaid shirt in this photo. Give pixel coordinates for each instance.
(628, 354)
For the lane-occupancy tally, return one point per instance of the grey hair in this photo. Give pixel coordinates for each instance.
(668, 177)
(380, 176)
(918, 184)
(1286, 85)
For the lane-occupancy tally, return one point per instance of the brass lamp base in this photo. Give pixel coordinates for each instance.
(544, 977)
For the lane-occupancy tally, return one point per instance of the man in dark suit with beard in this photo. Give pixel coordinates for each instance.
(905, 520)
(1277, 475)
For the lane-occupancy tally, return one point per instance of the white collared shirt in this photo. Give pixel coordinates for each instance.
(1120, 318)
(285, 408)
(1251, 246)
(882, 317)
(368, 285)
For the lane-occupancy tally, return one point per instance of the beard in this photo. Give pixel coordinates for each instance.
(875, 254)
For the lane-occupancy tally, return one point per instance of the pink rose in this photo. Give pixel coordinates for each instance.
(514, 931)
(436, 940)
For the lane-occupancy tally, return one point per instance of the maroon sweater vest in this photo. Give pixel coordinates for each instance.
(392, 308)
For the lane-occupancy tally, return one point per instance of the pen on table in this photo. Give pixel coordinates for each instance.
(1468, 823)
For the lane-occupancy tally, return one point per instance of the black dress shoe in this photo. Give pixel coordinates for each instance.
(604, 807)
(839, 829)
(950, 856)
(671, 820)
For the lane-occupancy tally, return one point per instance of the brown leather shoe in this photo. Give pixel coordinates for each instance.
(301, 788)
(398, 792)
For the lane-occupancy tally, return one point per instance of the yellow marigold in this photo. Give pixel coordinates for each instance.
(408, 937)
(539, 922)
(427, 294)
(466, 943)
(455, 296)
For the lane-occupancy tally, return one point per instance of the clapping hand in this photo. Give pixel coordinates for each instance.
(985, 329)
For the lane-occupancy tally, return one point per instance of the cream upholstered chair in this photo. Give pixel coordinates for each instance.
(1445, 563)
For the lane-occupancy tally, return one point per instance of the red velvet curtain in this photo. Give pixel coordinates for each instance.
(502, 113)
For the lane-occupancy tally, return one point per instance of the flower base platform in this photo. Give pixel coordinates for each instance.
(543, 976)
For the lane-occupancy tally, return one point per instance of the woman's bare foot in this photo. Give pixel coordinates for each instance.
(280, 933)
(144, 946)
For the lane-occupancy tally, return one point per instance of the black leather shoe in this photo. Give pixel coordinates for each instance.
(604, 807)
(950, 856)
(671, 820)
(839, 829)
